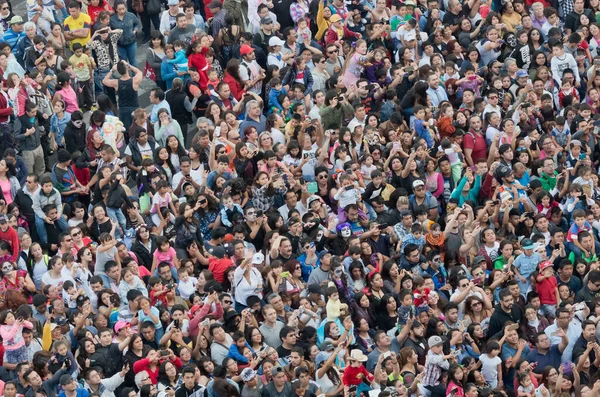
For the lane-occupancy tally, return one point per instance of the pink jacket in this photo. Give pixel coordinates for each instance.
(12, 335)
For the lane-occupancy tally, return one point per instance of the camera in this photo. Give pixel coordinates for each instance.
(259, 213)
(170, 286)
(210, 289)
(67, 362)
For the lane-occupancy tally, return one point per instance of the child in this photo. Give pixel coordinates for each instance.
(303, 33)
(566, 89)
(334, 306)
(367, 168)
(545, 203)
(130, 281)
(61, 354)
(219, 263)
(180, 61)
(164, 253)
(149, 313)
(471, 80)
(445, 124)
(276, 90)
(229, 208)
(346, 195)
(70, 295)
(376, 64)
(579, 225)
(406, 308)
(158, 292)
(420, 293)
(585, 180)
(546, 287)
(435, 238)
(491, 364)
(83, 67)
(421, 127)
(415, 237)
(560, 133)
(11, 330)
(423, 220)
(435, 361)
(526, 388)
(451, 72)
(355, 373)
(525, 265)
(187, 284)
(237, 347)
(160, 200)
(213, 81)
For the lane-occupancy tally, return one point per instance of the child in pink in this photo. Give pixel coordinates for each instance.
(11, 330)
(164, 253)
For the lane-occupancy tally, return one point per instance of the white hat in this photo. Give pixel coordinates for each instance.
(358, 355)
(273, 41)
(258, 258)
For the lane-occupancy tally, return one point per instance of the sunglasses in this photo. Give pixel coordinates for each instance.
(332, 52)
(75, 234)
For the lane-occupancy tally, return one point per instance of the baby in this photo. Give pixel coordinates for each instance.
(187, 284)
(180, 60)
(303, 33)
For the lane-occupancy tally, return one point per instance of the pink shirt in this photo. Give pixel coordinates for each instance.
(70, 98)
(6, 192)
(165, 256)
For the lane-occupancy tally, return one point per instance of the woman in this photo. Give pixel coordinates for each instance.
(374, 289)
(417, 95)
(188, 230)
(15, 282)
(327, 375)
(264, 189)
(176, 151)
(162, 162)
(168, 377)
(167, 127)
(75, 133)
(335, 110)
(155, 55)
(151, 364)
(535, 41)
(474, 145)
(409, 366)
(79, 240)
(388, 315)
(9, 185)
(243, 162)
(127, 44)
(144, 246)
(233, 79)
(490, 47)
(533, 325)
(196, 55)
(56, 39)
(135, 352)
(127, 87)
(255, 339)
(54, 276)
(476, 311)
(510, 18)
(227, 37)
(87, 348)
(207, 213)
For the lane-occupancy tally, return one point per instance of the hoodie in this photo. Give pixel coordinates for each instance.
(41, 199)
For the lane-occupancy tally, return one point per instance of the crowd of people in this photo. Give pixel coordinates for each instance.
(329, 198)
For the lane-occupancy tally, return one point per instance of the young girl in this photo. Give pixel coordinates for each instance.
(376, 63)
(367, 167)
(58, 122)
(526, 388)
(11, 330)
(491, 364)
(180, 60)
(160, 200)
(545, 203)
(130, 281)
(149, 313)
(164, 253)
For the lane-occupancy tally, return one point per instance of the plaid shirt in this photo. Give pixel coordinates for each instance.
(434, 363)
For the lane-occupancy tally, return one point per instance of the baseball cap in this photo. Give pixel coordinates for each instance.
(321, 357)
(248, 374)
(66, 380)
(266, 21)
(310, 199)
(575, 142)
(527, 244)
(215, 4)
(315, 289)
(258, 258)
(16, 20)
(418, 183)
(327, 346)
(435, 341)
(479, 259)
(503, 171)
(545, 265)
(218, 252)
(276, 369)
(120, 325)
(60, 320)
(522, 73)
(335, 18)
(273, 41)
(323, 253)
(173, 2)
(245, 49)
(405, 213)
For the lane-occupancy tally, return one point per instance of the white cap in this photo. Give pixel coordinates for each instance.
(273, 41)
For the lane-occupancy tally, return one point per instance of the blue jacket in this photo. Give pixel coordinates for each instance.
(80, 393)
(168, 73)
(129, 23)
(274, 98)
(234, 353)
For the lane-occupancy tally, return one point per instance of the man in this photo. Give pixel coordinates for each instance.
(379, 243)
(282, 250)
(252, 383)
(168, 19)
(292, 203)
(186, 175)
(272, 327)
(565, 275)
(77, 26)
(545, 354)
(251, 73)
(254, 117)
(47, 195)
(264, 35)
(24, 200)
(513, 350)
(573, 19)
(32, 344)
(492, 103)
(278, 385)
(416, 341)
(183, 31)
(411, 257)
(103, 387)
(148, 333)
(157, 98)
(218, 19)
(320, 274)
(360, 117)
(548, 175)
(570, 326)
(436, 92)
(48, 386)
(15, 33)
(189, 388)
(28, 134)
(334, 62)
(422, 199)
(287, 335)
(65, 244)
(591, 290)
(140, 148)
(108, 355)
(506, 311)
(454, 15)
(219, 348)
(384, 344)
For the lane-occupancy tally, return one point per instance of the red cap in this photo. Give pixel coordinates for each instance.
(545, 265)
(245, 49)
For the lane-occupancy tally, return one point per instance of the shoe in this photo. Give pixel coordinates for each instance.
(146, 41)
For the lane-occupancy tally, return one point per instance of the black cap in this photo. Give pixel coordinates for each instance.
(63, 156)
(502, 172)
(218, 252)
(315, 289)
(66, 380)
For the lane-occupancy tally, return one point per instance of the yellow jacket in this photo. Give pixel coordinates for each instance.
(322, 23)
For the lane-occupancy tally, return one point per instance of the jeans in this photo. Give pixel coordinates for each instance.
(40, 226)
(127, 52)
(116, 214)
(146, 19)
(125, 115)
(99, 88)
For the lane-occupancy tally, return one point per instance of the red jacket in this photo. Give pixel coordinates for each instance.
(332, 35)
(354, 376)
(218, 267)
(144, 365)
(11, 237)
(198, 60)
(237, 89)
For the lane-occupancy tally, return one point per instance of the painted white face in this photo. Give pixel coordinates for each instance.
(346, 232)
(7, 267)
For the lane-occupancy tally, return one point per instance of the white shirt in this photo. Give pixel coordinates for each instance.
(573, 333)
(197, 176)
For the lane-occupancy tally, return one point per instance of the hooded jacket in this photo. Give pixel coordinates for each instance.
(74, 137)
(40, 200)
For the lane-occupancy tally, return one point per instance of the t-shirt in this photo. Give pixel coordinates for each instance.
(160, 201)
(574, 231)
(489, 369)
(102, 258)
(165, 256)
(82, 22)
(145, 151)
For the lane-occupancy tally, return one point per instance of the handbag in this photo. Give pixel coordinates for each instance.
(149, 72)
(153, 7)
(137, 6)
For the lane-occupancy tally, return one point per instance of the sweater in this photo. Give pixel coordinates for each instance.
(144, 365)
(12, 335)
(11, 236)
(354, 376)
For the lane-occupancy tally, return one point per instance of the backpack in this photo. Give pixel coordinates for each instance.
(153, 7)
(137, 6)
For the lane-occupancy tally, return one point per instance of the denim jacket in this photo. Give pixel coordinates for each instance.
(128, 25)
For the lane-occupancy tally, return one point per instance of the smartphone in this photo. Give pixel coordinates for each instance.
(383, 226)
(472, 77)
(496, 202)
(556, 246)
(285, 274)
(568, 367)
(349, 187)
(387, 354)
(312, 187)
(396, 145)
(582, 156)
(410, 69)
(477, 280)
(164, 353)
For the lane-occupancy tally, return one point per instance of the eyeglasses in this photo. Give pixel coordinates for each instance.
(322, 176)
(68, 240)
(332, 52)
(75, 234)
(297, 268)
(235, 138)
(475, 304)
(4, 8)
(202, 201)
